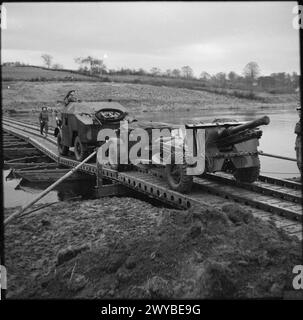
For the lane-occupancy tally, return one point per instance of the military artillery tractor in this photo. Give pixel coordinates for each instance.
(80, 123)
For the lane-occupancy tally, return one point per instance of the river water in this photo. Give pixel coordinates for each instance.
(278, 138)
(18, 192)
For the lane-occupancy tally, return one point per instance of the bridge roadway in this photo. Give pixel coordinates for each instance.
(153, 185)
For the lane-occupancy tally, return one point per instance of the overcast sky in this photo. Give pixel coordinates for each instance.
(208, 36)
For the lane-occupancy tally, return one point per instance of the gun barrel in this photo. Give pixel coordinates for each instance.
(248, 125)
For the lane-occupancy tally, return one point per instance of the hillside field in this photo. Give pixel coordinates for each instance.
(24, 93)
(31, 73)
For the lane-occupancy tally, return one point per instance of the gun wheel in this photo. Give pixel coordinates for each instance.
(177, 178)
(62, 149)
(248, 175)
(80, 150)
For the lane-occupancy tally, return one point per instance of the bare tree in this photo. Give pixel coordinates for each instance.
(57, 66)
(93, 65)
(205, 76)
(221, 78)
(47, 59)
(232, 76)
(141, 72)
(176, 73)
(251, 72)
(155, 71)
(187, 72)
(168, 72)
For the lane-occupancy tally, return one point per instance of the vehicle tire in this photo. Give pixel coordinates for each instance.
(62, 149)
(177, 178)
(80, 150)
(56, 132)
(248, 175)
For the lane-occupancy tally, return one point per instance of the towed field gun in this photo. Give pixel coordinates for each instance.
(229, 146)
(240, 133)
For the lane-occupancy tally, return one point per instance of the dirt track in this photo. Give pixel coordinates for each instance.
(126, 248)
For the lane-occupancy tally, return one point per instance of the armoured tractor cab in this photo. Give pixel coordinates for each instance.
(80, 123)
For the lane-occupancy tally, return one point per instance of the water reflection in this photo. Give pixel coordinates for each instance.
(18, 192)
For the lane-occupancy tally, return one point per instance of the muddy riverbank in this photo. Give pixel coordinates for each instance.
(127, 248)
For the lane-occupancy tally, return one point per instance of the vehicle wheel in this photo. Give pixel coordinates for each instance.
(249, 174)
(62, 149)
(80, 149)
(56, 132)
(177, 178)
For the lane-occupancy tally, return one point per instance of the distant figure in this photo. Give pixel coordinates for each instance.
(70, 97)
(43, 118)
(298, 145)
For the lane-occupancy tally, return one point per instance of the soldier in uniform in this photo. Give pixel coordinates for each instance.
(43, 119)
(298, 146)
(70, 97)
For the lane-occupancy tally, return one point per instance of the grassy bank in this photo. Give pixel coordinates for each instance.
(70, 78)
(30, 96)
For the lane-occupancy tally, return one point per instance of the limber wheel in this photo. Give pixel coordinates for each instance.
(248, 175)
(62, 149)
(80, 150)
(177, 178)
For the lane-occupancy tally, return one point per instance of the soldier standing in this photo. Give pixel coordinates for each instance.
(43, 118)
(298, 146)
(70, 97)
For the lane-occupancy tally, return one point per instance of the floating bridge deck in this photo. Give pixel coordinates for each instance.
(277, 200)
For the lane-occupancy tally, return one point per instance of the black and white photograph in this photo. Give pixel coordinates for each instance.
(151, 151)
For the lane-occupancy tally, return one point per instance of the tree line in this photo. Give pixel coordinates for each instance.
(250, 78)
